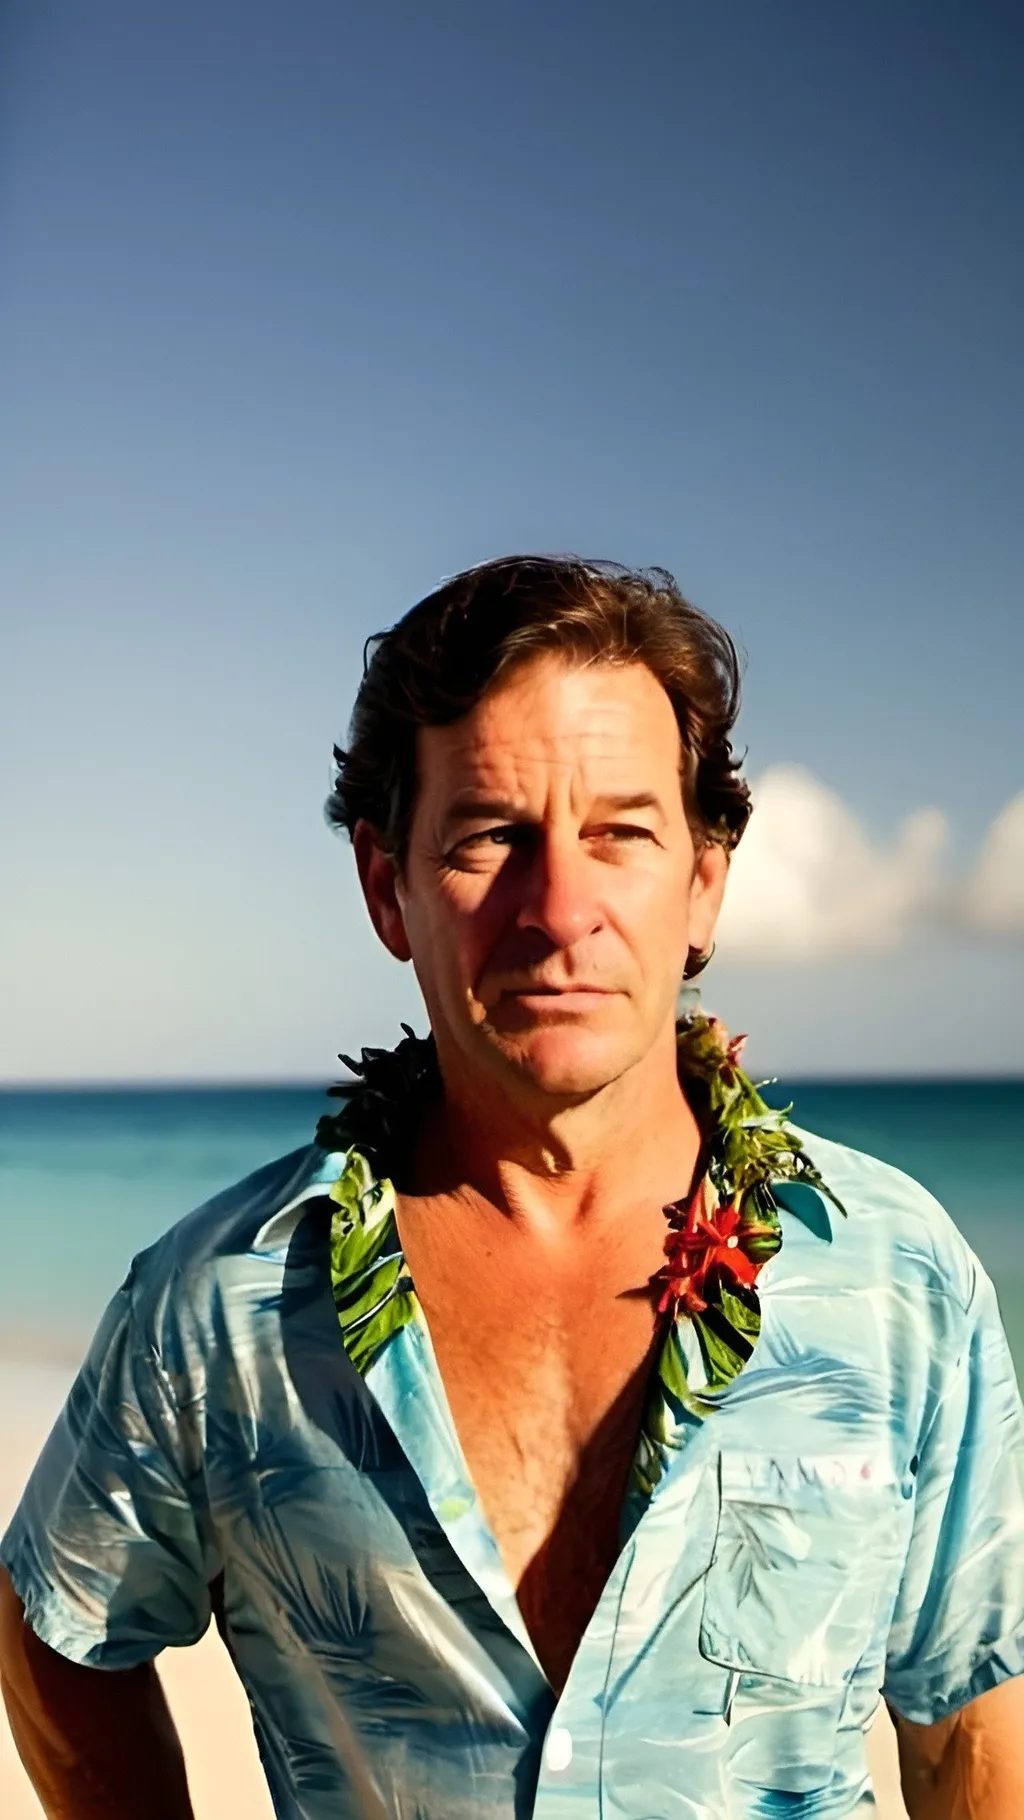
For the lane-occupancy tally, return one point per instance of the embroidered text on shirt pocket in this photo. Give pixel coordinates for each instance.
(806, 1549)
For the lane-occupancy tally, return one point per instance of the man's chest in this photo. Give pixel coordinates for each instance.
(546, 1393)
(535, 1407)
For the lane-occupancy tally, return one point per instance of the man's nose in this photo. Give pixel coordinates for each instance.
(559, 895)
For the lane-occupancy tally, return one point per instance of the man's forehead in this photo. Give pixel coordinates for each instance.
(607, 737)
(594, 717)
(519, 771)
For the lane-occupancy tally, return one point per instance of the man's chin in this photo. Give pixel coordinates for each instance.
(564, 1063)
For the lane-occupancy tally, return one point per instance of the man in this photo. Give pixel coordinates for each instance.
(564, 1433)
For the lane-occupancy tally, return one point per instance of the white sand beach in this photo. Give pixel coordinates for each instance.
(207, 1701)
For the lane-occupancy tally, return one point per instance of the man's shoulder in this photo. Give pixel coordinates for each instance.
(248, 1233)
(893, 1226)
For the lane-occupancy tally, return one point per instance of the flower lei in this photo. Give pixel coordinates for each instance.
(717, 1241)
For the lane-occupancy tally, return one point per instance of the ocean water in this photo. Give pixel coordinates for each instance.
(89, 1177)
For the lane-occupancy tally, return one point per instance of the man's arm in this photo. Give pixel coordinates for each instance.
(969, 1766)
(98, 1744)
(954, 1673)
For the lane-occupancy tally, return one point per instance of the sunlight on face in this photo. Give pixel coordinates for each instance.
(550, 891)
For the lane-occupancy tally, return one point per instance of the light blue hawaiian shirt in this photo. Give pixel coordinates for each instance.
(849, 1519)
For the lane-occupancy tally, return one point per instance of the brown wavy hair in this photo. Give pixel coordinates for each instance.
(436, 663)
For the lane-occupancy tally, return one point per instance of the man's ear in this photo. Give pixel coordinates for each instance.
(710, 872)
(378, 876)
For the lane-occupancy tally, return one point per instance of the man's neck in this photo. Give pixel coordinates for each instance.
(633, 1142)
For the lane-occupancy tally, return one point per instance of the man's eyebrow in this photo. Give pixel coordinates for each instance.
(483, 808)
(635, 799)
(501, 809)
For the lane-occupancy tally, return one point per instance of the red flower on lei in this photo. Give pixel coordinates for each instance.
(702, 1240)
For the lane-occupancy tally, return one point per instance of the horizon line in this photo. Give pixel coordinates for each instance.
(307, 1083)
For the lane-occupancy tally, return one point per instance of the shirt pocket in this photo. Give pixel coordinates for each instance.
(808, 1549)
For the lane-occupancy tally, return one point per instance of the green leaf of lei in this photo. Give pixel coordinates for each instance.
(367, 1265)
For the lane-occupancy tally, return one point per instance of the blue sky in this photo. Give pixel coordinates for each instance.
(304, 307)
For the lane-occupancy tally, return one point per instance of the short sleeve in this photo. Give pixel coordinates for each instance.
(107, 1550)
(958, 1625)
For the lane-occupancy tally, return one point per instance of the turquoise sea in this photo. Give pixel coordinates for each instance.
(88, 1177)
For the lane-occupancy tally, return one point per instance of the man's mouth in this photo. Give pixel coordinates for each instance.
(572, 989)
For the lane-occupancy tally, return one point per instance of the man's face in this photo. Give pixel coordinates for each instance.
(550, 890)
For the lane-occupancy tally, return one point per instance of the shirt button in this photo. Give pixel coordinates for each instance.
(558, 1749)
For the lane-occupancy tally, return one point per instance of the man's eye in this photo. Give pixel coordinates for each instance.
(508, 836)
(625, 831)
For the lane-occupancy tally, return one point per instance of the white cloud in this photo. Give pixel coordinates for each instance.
(993, 899)
(807, 881)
